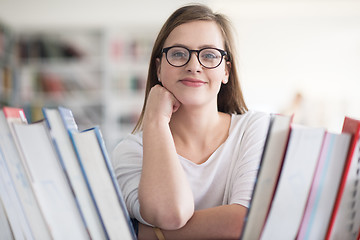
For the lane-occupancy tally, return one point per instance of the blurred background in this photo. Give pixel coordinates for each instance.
(297, 57)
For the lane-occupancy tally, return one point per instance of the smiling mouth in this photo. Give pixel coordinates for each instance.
(192, 82)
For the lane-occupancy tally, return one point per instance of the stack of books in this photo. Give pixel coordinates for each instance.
(308, 184)
(57, 182)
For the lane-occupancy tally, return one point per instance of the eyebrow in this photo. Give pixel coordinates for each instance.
(200, 47)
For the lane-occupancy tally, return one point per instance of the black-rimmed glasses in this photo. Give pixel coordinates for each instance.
(207, 57)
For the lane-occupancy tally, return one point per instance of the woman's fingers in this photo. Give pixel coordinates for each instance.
(161, 103)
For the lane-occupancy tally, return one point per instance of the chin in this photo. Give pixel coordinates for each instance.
(194, 103)
(195, 99)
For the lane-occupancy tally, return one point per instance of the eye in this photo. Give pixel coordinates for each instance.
(178, 53)
(210, 54)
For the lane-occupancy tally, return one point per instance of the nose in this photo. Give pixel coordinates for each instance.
(193, 65)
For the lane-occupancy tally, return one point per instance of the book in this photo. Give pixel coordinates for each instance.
(18, 173)
(294, 183)
(5, 229)
(269, 170)
(14, 212)
(324, 186)
(98, 172)
(60, 121)
(49, 182)
(345, 218)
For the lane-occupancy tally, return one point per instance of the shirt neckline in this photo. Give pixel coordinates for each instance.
(216, 150)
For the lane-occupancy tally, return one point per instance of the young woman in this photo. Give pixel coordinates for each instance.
(188, 169)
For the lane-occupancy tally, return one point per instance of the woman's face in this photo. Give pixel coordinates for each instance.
(193, 84)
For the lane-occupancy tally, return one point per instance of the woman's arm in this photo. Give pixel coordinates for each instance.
(165, 196)
(223, 222)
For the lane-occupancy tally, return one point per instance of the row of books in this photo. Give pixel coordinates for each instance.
(308, 184)
(43, 48)
(57, 182)
(6, 83)
(6, 42)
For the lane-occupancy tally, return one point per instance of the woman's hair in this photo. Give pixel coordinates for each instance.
(230, 97)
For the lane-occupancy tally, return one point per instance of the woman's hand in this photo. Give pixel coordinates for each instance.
(161, 104)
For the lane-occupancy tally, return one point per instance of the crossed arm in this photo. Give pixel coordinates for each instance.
(223, 222)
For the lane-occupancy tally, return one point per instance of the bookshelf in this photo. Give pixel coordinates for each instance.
(99, 73)
(60, 68)
(6, 69)
(127, 57)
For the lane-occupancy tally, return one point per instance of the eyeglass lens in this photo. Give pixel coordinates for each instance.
(208, 57)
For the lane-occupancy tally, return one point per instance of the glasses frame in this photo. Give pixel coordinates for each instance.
(222, 52)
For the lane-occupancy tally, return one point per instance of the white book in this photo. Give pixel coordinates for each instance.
(324, 186)
(49, 182)
(17, 219)
(5, 229)
(60, 121)
(20, 178)
(101, 181)
(11, 199)
(270, 168)
(294, 184)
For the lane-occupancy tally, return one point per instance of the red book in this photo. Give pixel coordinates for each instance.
(14, 113)
(345, 221)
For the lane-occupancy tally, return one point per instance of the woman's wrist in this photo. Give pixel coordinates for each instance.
(155, 122)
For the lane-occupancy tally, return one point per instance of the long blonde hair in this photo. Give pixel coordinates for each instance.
(230, 97)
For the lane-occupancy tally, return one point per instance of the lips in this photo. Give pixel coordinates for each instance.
(191, 82)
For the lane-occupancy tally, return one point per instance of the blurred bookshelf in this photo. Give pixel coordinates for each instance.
(99, 74)
(6, 66)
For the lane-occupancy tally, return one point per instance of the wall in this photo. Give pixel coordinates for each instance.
(285, 47)
(310, 48)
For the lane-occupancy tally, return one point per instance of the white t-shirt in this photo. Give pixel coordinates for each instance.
(227, 177)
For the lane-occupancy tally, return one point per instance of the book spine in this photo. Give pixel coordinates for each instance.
(72, 137)
(113, 178)
(17, 219)
(353, 127)
(68, 119)
(63, 166)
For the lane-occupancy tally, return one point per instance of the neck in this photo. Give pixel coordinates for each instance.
(198, 133)
(193, 124)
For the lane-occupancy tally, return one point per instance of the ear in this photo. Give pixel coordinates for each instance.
(158, 68)
(227, 72)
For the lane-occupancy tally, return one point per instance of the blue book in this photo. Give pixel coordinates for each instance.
(98, 172)
(60, 121)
